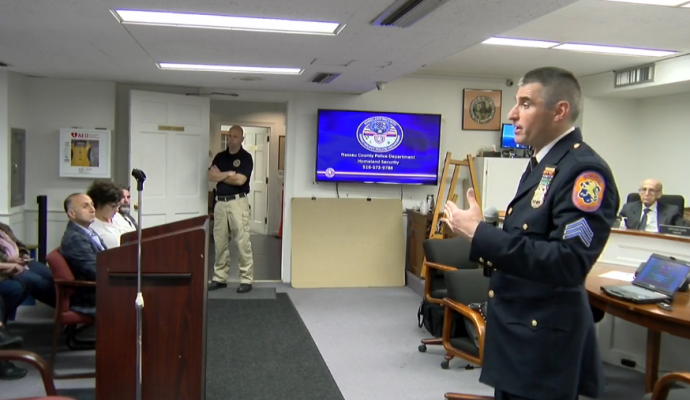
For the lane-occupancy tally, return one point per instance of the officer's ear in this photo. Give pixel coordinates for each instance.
(561, 111)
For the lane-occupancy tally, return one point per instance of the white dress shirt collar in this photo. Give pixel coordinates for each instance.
(542, 153)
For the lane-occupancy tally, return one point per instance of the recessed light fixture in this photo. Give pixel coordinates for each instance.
(210, 21)
(230, 68)
(667, 3)
(622, 51)
(520, 42)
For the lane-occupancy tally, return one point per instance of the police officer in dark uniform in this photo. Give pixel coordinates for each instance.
(232, 170)
(540, 339)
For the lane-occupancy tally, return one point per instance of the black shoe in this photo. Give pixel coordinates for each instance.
(244, 288)
(216, 285)
(9, 371)
(8, 342)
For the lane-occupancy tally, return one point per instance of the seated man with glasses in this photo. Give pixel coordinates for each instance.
(647, 214)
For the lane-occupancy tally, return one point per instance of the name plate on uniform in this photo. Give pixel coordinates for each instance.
(171, 128)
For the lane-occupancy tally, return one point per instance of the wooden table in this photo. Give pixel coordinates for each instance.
(656, 320)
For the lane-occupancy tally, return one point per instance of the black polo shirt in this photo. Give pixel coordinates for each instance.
(240, 162)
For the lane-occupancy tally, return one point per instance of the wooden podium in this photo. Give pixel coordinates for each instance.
(174, 280)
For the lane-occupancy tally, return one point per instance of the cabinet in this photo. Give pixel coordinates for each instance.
(418, 226)
(498, 179)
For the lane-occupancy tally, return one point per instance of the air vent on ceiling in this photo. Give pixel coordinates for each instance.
(634, 76)
(324, 77)
(404, 13)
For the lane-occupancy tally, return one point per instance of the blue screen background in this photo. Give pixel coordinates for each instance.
(337, 133)
(508, 138)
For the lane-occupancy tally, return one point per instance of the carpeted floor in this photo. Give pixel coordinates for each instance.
(261, 350)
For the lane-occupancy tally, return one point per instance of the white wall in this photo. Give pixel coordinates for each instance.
(18, 117)
(663, 142)
(4, 148)
(611, 127)
(264, 114)
(55, 104)
(641, 138)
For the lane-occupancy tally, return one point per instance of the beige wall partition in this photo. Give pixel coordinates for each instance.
(347, 243)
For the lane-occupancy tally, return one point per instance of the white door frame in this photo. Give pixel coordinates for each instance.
(271, 130)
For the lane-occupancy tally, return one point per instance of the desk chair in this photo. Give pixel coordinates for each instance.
(663, 391)
(464, 287)
(39, 363)
(673, 199)
(65, 285)
(442, 255)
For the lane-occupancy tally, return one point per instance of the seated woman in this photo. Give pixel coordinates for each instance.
(106, 197)
(20, 276)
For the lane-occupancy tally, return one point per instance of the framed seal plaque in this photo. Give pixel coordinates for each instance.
(481, 110)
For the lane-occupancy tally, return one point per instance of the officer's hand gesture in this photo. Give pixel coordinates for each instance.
(463, 222)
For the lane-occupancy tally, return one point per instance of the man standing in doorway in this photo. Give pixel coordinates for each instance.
(232, 169)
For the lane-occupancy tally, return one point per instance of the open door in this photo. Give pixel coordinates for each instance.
(256, 143)
(169, 141)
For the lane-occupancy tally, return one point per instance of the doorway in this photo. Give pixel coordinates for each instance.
(256, 142)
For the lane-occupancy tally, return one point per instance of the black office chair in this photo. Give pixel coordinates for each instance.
(672, 199)
(441, 255)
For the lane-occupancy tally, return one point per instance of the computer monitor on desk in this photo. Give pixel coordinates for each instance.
(674, 230)
(508, 138)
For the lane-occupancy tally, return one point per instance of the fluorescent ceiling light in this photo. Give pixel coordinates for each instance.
(226, 22)
(623, 51)
(520, 42)
(230, 68)
(669, 3)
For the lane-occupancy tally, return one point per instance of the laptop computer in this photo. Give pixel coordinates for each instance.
(657, 281)
(674, 230)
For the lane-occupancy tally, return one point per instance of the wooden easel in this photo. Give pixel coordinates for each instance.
(441, 197)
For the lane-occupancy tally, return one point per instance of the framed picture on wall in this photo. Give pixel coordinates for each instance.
(481, 110)
(84, 153)
(281, 153)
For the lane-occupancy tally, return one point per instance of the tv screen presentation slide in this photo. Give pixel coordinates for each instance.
(377, 147)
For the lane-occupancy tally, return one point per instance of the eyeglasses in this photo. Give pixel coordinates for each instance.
(647, 190)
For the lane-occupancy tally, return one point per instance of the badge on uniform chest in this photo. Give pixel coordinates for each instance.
(544, 184)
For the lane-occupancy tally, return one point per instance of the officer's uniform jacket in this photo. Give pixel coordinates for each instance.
(540, 340)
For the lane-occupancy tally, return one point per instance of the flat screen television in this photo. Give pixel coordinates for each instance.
(377, 147)
(508, 138)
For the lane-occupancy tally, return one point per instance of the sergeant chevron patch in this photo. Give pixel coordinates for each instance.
(579, 229)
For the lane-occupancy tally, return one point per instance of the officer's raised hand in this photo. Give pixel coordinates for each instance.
(463, 222)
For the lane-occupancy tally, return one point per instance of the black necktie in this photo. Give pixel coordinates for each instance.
(643, 221)
(530, 166)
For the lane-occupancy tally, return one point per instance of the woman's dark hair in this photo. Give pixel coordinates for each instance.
(103, 193)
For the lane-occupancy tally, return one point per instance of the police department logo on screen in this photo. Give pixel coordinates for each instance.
(379, 134)
(330, 172)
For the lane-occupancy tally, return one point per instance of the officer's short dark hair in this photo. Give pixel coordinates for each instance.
(67, 204)
(559, 85)
(104, 192)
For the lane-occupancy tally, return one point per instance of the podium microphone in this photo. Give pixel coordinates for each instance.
(140, 177)
(491, 218)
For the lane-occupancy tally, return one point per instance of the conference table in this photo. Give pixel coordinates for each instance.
(651, 317)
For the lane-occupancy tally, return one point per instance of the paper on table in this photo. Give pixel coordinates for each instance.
(619, 275)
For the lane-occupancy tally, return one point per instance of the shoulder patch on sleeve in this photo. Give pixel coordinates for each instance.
(588, 191)
(579, 229)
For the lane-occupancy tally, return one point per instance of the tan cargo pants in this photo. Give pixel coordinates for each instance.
(231, 221)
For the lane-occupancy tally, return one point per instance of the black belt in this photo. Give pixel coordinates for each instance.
(231, 197)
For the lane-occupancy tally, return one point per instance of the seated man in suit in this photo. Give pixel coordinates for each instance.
(79, 246)
(647, 214)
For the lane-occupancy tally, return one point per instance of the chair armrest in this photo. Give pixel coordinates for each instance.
(439, 267)
(35, 360)
(663, 385)
(427, 281)
(61, 282)
(472, 315)
(459, 396)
